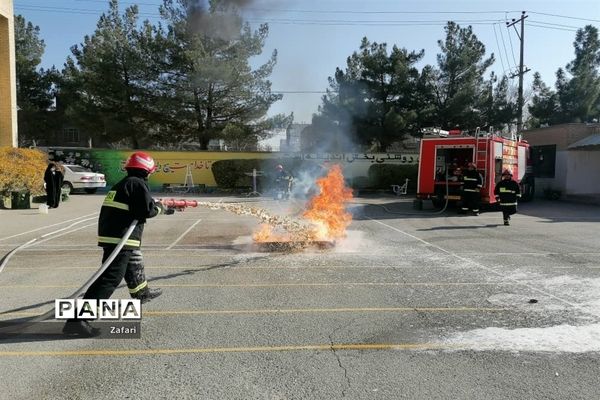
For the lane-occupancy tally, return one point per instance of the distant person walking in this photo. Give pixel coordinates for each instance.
(53, 180)
(507, 192)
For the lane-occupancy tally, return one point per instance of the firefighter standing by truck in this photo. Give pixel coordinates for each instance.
(471, 191)
(128, 200)
(507, 192)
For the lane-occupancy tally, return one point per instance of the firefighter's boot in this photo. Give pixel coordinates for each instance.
(80, 327)
(147, 294)
(506, 222)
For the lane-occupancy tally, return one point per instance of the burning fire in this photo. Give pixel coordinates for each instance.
(327, 209)
(326, 213)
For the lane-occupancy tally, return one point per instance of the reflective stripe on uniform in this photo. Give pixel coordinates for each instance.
(504, 190)
(508, 204)
(113, 240)
(110, 202)
(466, 178)
(115, 204)
(138, 287)
(471, 190)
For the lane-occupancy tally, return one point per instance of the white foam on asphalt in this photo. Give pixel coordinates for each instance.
(353, 242)
(582, 336)
(559, 338)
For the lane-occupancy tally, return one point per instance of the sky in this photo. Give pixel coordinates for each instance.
(313, 37)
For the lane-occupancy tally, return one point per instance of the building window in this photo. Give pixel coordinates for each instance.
(544, 161)
(71, 135)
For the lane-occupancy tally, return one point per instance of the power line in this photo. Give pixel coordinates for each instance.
(499, 50)
(276, 21)
(299, 91)
(290, 21)
(505, 52)
(512, 50)
(565, 16)
(301, 11)
(73, 10)
(553, 24)
(551, 27)
(271, 10)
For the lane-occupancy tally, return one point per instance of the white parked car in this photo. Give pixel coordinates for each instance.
(78, 177)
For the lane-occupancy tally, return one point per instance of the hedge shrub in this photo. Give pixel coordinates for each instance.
(22, 170)
(382, 176)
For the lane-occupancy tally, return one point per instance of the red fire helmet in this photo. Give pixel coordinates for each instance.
(141, 160)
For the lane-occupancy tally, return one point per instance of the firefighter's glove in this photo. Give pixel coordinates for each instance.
(169, 211)
(497, 198)
(161, 207)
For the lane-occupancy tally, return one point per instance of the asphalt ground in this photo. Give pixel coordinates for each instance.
(412, 305)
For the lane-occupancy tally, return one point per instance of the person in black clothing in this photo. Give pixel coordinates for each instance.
(471, 191)
(53, 180)
(128, 200)
(507, 192)
(283, 183)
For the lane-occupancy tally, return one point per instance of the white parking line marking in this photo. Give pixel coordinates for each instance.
(46, 227)
(482, 266)
(183, 234)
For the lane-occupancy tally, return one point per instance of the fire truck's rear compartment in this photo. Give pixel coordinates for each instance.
(451, 158)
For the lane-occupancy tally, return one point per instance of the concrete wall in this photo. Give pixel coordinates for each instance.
(8, 88)
(565, 179)
(584, 173)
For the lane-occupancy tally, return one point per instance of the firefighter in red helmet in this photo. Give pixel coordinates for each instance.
(507, 192)
(127, 200)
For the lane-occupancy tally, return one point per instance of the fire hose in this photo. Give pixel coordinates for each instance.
(170, 203)
(441, 211)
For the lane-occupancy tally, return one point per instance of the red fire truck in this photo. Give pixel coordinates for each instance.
(443, 152)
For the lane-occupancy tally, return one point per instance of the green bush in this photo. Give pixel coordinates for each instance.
(22, 170)
(383, 176)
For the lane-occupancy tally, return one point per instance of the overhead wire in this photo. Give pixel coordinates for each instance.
(499, 50)
(510, 67)
(551, 27)
(512, 50)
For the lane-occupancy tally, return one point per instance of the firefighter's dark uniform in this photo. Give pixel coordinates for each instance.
(129, 199)
(507, 191)
(471, 192)
(283, 181)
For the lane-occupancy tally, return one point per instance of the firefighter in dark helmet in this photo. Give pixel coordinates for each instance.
(126, 201)
(507, 192)
(471, 191)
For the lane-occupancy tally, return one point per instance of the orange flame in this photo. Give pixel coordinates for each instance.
(327, 209)
(263, 233)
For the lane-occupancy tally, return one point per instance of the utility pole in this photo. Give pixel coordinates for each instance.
(522, 71)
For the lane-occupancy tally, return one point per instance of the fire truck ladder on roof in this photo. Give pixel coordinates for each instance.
(482, 143)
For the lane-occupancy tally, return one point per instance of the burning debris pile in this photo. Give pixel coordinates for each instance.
(325, 218)
(294, 227)
(323, 222)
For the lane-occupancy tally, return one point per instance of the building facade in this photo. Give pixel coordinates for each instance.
(566, 159)
(8, 86)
